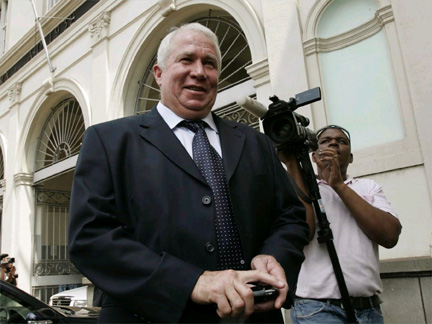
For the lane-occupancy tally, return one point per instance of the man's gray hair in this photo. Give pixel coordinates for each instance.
(165, 45)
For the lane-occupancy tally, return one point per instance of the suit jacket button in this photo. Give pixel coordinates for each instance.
(209, 247)
(206, 200)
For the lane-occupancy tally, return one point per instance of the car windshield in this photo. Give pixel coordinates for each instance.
(13, 310)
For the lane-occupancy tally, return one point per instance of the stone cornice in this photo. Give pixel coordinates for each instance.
(27, 42)
(259, 72)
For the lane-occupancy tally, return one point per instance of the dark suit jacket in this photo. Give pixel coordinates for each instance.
(142, 230)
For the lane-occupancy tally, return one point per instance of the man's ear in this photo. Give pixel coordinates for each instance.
(351, 159)
(313, 157)
(158, 74)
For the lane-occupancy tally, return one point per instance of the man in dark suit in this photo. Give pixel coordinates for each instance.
(142, 216)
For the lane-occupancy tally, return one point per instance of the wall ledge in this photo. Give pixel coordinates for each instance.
(407, 267)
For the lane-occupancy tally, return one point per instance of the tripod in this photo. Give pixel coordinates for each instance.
(325, 234)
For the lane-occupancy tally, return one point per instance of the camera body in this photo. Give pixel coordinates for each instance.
(9, 260)
(287, 129)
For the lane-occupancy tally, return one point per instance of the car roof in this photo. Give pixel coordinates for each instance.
(80, 292)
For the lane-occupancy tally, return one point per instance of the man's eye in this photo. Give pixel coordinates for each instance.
(210, 63)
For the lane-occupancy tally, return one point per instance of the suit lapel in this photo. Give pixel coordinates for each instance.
(156, 131)
(232, 143)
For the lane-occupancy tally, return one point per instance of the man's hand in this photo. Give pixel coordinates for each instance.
(268, 264)
(327, 160)
(231, 290)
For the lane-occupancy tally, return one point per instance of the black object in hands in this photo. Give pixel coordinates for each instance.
(263, 293)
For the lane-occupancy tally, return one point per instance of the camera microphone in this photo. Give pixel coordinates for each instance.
(251, 105)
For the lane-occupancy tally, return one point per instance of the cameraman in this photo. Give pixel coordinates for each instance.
(361, 219)
(8, 270)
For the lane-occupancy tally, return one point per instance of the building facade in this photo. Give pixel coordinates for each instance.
(371, 59)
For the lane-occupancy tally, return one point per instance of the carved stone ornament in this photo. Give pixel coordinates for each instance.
(99, 27)
(48, 86)
(54, 267)
(167, 7)
(14, 93)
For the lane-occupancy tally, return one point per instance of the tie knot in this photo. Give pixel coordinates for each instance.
(194, 126)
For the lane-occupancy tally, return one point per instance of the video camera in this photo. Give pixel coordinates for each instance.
(8, 260)
(287, 129)
(7, 264)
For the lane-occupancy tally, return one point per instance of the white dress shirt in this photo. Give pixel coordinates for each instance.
(184, 134)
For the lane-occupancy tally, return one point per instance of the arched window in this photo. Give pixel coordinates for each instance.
(359, 84)
(235, 57)
(61, 135)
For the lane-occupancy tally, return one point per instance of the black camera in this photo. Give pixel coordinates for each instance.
(8, 261)
(287, 129)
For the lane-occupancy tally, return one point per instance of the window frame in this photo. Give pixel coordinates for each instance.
(389, 156)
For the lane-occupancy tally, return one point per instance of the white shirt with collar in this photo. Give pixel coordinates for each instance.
(358, 255)
(184, 134)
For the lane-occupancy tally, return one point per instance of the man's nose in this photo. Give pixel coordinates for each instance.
(334, 142)
(198, 70)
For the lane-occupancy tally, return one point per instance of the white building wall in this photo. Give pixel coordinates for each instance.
(96, 61)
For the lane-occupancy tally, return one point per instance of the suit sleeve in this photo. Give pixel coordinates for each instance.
(105, 251)
(290, 231)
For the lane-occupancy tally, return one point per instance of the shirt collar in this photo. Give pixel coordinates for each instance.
(348, 180)
(173, 120)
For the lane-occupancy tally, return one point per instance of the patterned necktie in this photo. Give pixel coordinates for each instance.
(211, 167)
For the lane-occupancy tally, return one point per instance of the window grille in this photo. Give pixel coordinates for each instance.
(51, 244)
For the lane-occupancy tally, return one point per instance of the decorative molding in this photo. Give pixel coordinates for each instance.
(167, 7)
(385, 14)
(238, 114)
(52, 197)
(48, 86)
(315, 45)
(259, 72)
(54, 267)
(23, 179)
(99, 27)
(14, 93)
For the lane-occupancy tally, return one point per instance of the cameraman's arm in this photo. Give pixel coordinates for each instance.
(11, 275)
(2, 272)
(379, 225)
(294, 172)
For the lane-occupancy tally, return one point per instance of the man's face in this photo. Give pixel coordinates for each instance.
(189, 81)
(337, 141)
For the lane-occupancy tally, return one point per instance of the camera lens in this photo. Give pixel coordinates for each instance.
(283, 130)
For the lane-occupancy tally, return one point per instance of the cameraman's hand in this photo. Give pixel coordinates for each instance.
(230, 290)
(11, 269)
(327, 160)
